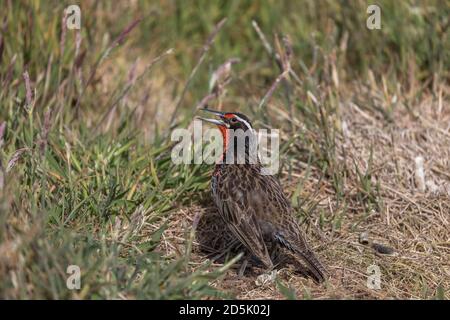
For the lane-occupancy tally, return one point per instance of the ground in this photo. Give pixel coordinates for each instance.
(86, 116)
(413, 222)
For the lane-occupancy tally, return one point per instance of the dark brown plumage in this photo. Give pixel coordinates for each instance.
(254, 206)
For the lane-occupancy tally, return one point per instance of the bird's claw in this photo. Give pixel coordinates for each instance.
(266, 278)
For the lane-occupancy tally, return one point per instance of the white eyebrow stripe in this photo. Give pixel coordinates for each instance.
(245, 122)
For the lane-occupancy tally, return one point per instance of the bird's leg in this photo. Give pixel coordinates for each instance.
(275, 255)
(232, 246)
(243, 267)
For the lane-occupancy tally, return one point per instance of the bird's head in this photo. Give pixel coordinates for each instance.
(231, 125)
(228, 120)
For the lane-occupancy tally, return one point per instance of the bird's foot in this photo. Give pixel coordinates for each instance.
(266, 278)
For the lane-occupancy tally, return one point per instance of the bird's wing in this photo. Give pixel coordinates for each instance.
(287, 232)
(240, 218)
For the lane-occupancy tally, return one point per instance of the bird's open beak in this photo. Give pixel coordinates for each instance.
(218, 122)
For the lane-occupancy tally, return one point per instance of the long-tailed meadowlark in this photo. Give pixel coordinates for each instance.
(253, 205)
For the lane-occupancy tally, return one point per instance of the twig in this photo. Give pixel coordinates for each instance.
(272, 88)
(205, 50)
(119, 40)
(272, 54)
(130, 84)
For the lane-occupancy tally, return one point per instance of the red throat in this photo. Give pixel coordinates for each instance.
(224, 132)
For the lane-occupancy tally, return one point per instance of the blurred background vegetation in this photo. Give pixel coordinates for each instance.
(87, 141)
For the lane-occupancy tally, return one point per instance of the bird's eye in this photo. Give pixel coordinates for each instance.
(233, 120)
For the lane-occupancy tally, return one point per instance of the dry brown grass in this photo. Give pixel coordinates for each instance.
(414, 224)
(85, 175)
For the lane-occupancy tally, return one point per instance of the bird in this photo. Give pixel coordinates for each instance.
(253, 205)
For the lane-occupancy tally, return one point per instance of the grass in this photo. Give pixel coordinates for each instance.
(85, 118)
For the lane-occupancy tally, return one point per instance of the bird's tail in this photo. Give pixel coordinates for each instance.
(313, 264)
(297, 246)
